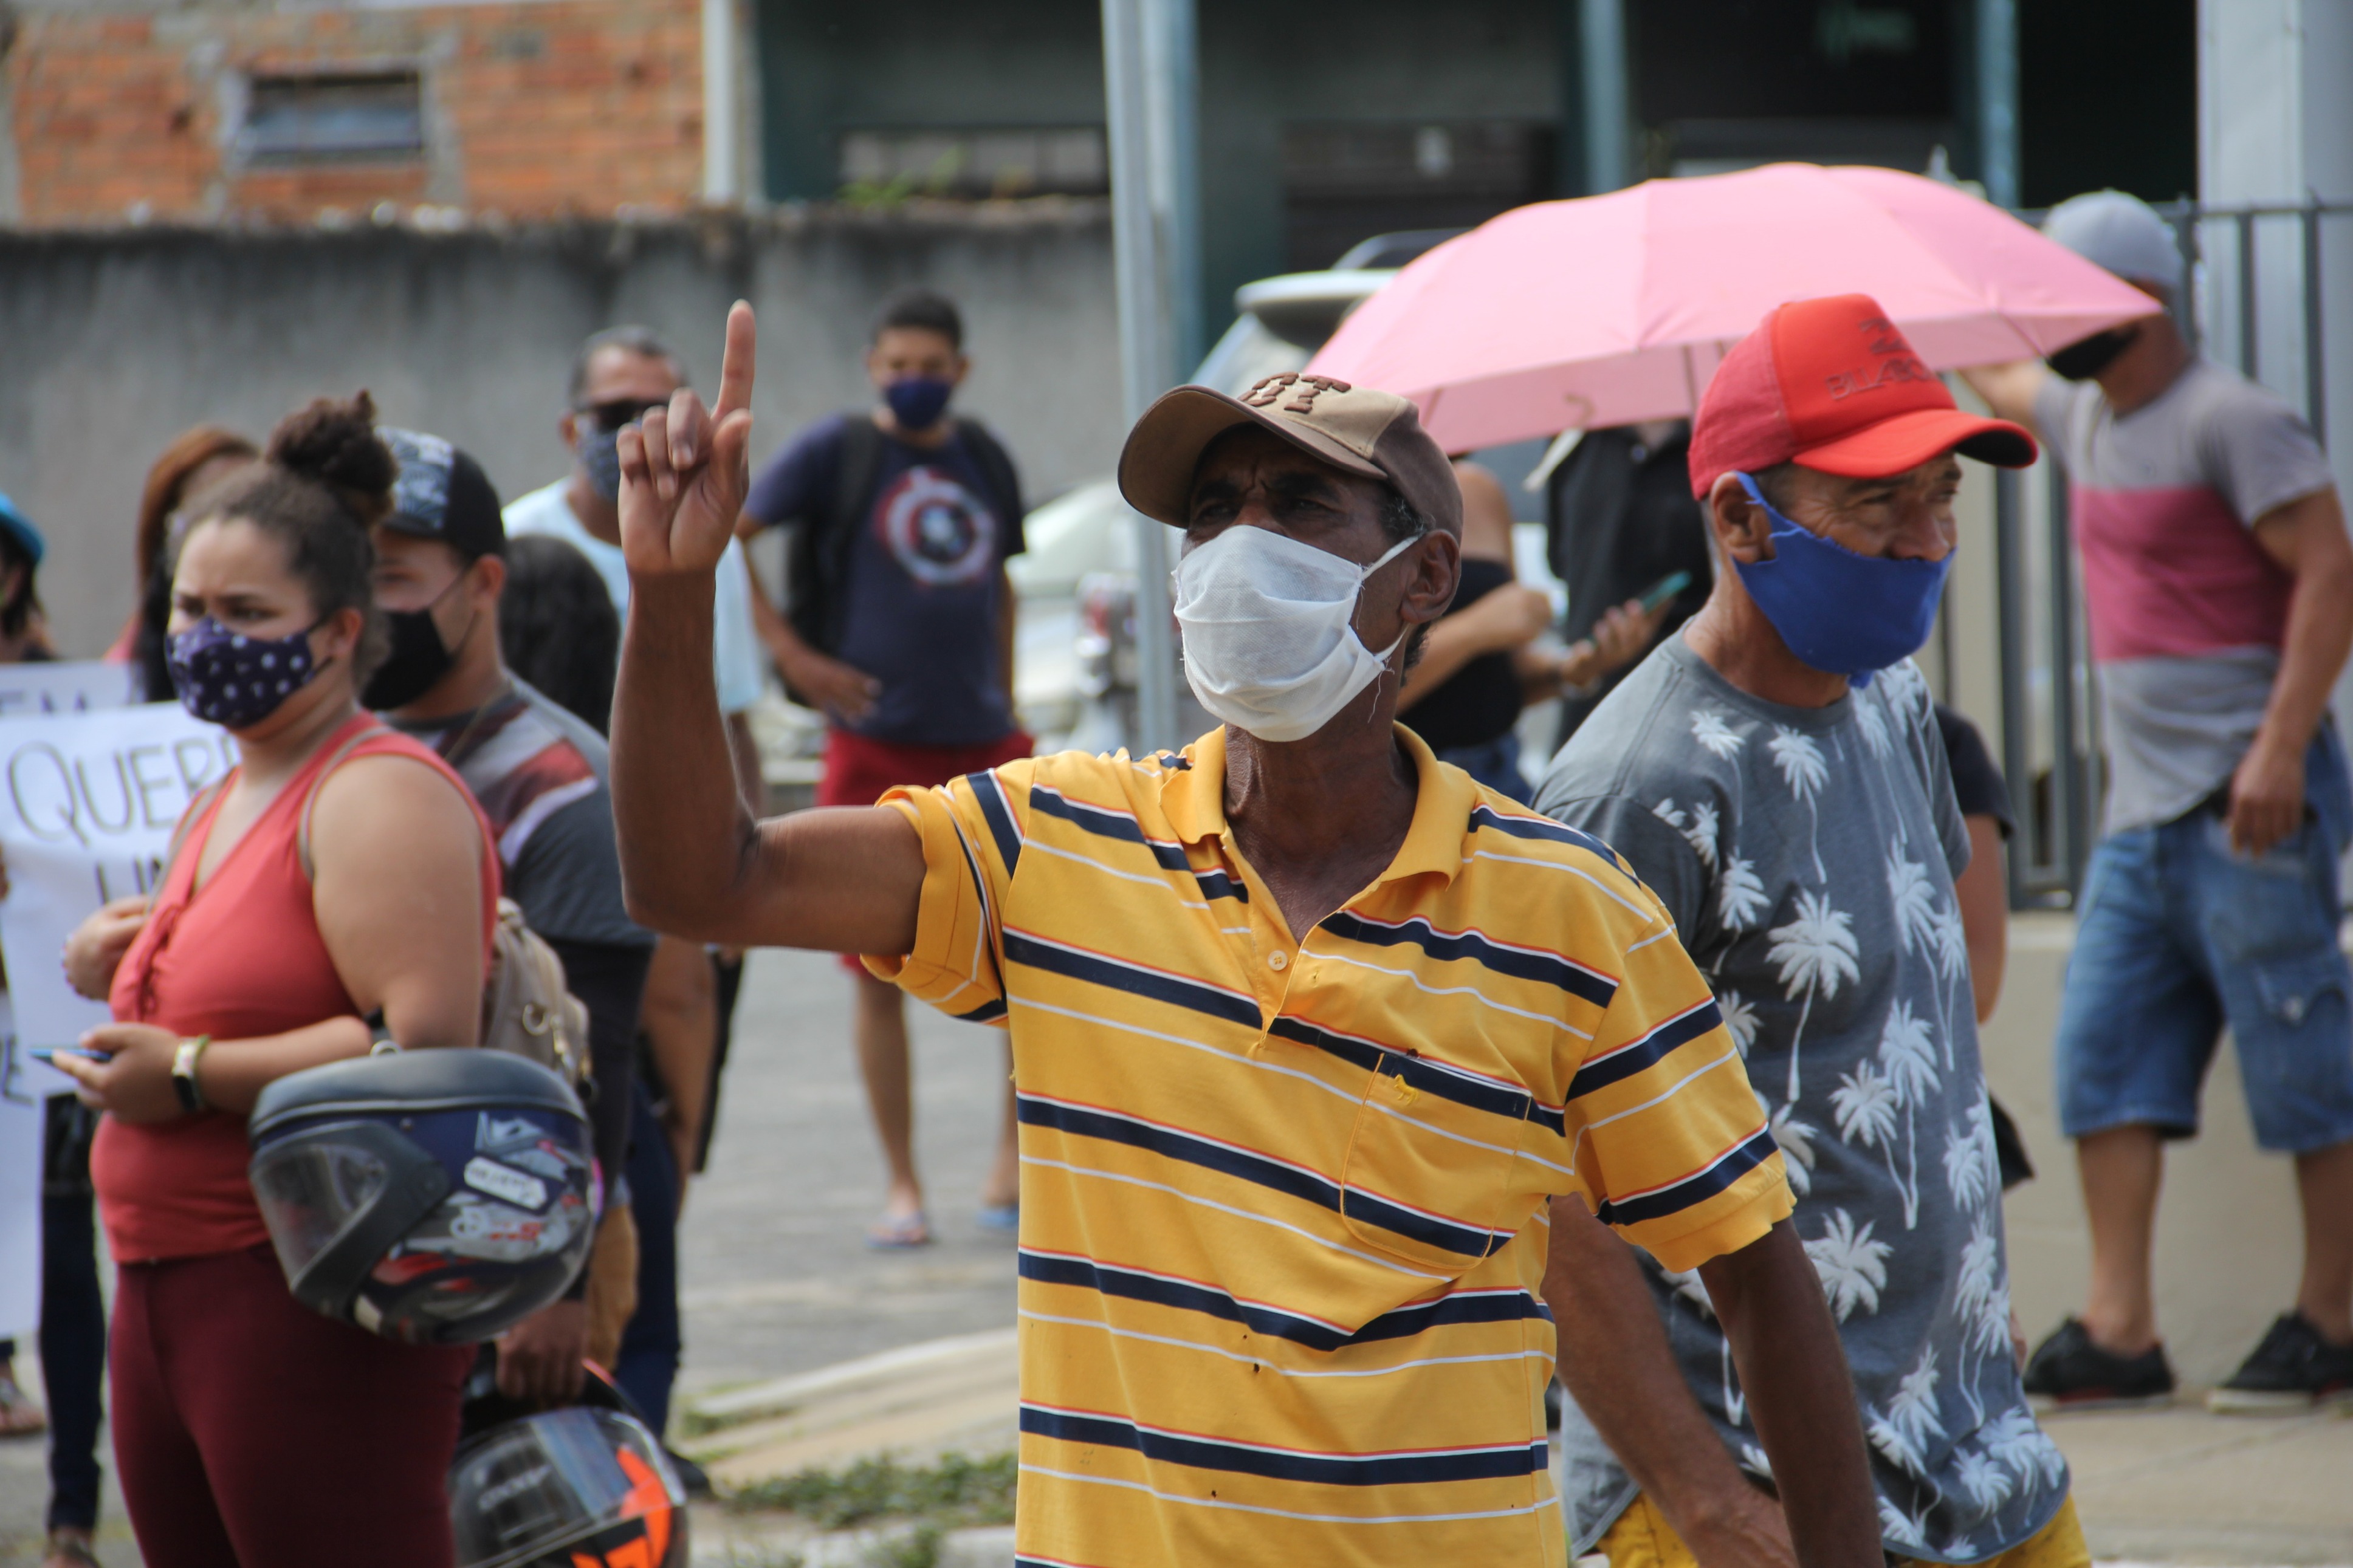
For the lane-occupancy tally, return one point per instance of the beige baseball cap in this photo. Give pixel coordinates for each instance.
(1356, 429)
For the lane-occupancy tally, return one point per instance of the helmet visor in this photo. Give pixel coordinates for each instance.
(533, 1486)
(312, 1190)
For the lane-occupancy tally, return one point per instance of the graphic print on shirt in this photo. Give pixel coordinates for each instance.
(1796, 833)
(933, 528)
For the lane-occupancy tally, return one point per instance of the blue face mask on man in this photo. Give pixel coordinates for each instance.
(600, 457)
(917, 402)
(1850, 615)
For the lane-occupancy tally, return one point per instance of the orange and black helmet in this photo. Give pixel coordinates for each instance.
(587, 1487)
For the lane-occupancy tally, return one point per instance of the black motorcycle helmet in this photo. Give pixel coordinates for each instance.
(436, 1197)
(559, 1488)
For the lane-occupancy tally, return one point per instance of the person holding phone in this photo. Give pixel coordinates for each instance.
(1478, 667)
(339, 871)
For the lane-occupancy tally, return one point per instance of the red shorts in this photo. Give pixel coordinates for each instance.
(859, 770)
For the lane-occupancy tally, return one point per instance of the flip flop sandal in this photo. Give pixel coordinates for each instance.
(1002, 1219)
(19, 1417)
(899, 1233)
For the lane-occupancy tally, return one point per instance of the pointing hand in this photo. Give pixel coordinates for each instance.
(685, 471)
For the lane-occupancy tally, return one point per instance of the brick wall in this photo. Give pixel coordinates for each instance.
(559, 107)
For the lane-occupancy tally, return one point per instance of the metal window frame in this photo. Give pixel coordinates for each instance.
(254, 151)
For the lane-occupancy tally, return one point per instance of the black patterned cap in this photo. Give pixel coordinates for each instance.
(443, 494)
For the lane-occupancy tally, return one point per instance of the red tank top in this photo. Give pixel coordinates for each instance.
(237, 959)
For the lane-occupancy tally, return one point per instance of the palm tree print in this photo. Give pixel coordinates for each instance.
(1816, 952)
(1987, 1481)
(1739, 1020)
(1972, 1169)
(1804, 772)
(2013, 1438)
(1904, 1529)
(1868, 1099)
(1852, 1267)
(1868, 719)
(1739, 897)
(1864, 1105)
(1981, 1301)
(1698, 828)
(1797, 1141)
(1911, 1424)
(1709, 730)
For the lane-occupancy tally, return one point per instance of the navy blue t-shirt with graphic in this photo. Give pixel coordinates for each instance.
(923, 581)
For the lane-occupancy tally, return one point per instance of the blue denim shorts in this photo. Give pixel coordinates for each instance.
(2178, 937)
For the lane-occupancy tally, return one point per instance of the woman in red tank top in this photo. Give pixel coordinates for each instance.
(250, 1432)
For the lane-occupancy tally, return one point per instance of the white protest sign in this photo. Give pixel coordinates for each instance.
(77, 687)
(87, 801)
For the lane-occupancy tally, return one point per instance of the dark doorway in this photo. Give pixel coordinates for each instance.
(1346, 180)
(2107, 96)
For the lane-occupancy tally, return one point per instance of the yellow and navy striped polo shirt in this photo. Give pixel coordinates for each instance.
(1282, 1200)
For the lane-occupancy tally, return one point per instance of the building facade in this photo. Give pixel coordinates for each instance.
(311, 113)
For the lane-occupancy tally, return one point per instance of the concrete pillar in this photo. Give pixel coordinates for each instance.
(2276, 125)
(722, 131)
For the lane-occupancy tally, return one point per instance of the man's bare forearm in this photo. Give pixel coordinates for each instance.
(683, 830)
(693, 862)
(2319, 623)
(1793, 1372)
(1616, 1364)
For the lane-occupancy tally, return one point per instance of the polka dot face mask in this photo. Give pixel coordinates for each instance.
(235, 680)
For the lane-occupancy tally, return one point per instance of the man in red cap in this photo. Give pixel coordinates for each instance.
(1307, 1027)
(1775, 776)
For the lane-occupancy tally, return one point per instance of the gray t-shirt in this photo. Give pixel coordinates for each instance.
(2187, 611)
(1807, 856)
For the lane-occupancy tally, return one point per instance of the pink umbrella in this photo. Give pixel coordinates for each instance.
(1581, 315)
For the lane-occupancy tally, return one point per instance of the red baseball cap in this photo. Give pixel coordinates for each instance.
(1833, 384)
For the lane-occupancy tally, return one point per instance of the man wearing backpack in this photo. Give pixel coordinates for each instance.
(898, 625)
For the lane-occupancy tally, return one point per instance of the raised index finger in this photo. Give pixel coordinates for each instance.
(735, 369)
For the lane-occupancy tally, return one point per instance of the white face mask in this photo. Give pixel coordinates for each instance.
(1270, 644)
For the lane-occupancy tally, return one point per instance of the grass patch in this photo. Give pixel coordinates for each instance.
(955, 1492)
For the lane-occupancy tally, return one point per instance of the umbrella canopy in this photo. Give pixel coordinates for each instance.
(1607, 309)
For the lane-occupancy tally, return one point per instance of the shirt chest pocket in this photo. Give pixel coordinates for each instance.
(1432, 1175)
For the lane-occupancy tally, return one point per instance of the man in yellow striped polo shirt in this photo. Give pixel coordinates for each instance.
(1307, 1027)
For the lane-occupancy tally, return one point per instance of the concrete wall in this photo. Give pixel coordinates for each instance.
(111, 343)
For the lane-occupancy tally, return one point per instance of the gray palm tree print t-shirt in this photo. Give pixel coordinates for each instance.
(1808, 858)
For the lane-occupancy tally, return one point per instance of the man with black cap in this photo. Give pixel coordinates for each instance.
(1775, 773)
(538, 774)
(1306, 1026)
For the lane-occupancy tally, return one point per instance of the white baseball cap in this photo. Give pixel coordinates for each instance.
(2121, 233)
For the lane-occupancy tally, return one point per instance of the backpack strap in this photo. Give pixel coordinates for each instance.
(817, 575)
(996, 473)
(311, 800)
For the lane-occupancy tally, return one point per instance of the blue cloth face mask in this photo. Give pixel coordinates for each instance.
(918, 401)
(600, 454)
(1850, 615)
(235, 680)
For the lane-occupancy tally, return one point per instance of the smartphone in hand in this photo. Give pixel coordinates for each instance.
(1665, 588)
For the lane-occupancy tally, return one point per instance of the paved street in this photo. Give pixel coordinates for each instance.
(778, 1282)
(777, 1275)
